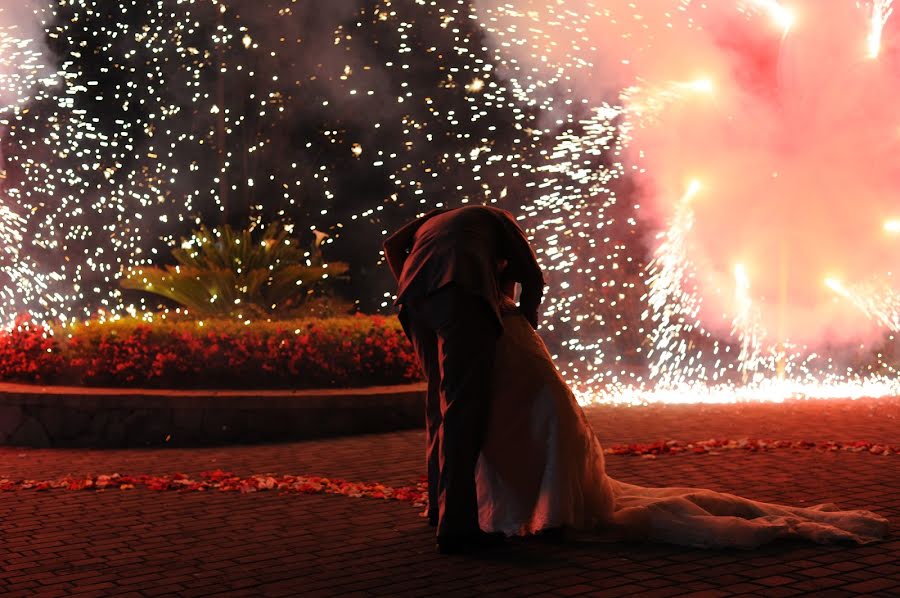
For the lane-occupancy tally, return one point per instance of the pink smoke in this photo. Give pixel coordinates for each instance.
(783, 115)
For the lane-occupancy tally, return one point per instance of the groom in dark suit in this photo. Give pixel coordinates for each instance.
(447, 264)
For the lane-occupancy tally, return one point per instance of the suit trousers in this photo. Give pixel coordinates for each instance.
(454, 334)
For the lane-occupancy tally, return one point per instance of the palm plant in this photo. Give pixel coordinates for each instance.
(226, 273)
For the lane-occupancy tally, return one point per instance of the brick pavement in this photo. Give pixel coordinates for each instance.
(143, 543)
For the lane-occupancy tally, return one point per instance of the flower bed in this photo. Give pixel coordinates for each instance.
(310, 353)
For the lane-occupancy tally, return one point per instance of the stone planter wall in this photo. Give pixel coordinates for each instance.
(99, 417)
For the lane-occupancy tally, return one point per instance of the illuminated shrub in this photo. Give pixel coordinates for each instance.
(305, 353)
(222, 272)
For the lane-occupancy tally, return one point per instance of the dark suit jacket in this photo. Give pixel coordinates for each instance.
(464, 246)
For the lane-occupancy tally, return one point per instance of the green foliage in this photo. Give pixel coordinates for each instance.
(221, 272)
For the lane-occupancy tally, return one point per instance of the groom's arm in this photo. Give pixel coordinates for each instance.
(523, 267)
(397, 246)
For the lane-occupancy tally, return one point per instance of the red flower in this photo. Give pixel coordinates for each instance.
(350, 351)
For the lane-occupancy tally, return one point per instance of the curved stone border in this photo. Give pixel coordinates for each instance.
(52, 416)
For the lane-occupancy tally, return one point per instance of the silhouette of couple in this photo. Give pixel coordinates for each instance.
(508, 449)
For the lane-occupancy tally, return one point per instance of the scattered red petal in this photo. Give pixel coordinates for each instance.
(225, 481)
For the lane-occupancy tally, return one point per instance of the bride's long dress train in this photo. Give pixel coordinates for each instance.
(542, 467)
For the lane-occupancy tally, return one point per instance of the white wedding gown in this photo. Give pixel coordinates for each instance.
(542, 467)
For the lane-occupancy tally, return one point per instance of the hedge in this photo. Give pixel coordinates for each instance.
(352, 351)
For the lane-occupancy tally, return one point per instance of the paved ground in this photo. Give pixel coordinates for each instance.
(145, 543)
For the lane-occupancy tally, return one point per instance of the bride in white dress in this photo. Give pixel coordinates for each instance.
(542, 468)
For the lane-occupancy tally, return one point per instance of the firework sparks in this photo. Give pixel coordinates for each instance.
(748, 329)
(780, 15)
(188, 110)
(674, 305)
(881, 12)
(879, 302)
(645, 103)
(758, 136)
(194, 101)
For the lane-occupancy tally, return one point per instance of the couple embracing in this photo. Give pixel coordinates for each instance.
(509, 450)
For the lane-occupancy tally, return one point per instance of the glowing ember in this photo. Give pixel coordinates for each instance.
(892, 226)
(475, 86)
